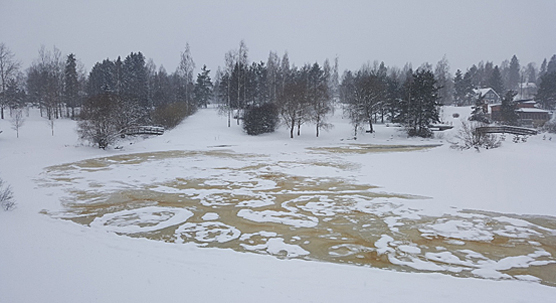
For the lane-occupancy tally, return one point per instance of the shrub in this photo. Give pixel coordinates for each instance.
(421, 132)
(106, 115)
(469, 137)
(260, 119)
(7, 201)
(171, 115)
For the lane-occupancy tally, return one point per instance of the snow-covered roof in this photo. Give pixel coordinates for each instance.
(484, 91)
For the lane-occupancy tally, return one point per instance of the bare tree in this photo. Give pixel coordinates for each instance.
(444, 81)
(106, 116)
(8, 70)
(45, 80)
(185, 70)
(17, 120)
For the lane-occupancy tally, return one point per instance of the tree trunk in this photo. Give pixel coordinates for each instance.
(292, 128)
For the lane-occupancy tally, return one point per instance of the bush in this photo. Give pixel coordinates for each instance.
(421, 132)
(106, 115)
(7, 201)
(171, 115)
(469, 137)
(260, 119)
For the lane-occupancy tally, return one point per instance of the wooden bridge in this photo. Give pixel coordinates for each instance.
(143, 130)
(507, 130)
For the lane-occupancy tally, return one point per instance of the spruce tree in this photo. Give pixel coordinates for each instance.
(513, 76)
(203, 87)
(551, 66)
(71, 85)
(547, 91)
(507, 109)
(421, 96)
(134, 76)
(495, 82)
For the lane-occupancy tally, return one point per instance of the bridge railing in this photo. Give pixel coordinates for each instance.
(143, 130)
(505, 129)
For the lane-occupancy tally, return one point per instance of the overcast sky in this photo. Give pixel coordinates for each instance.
(393, 31)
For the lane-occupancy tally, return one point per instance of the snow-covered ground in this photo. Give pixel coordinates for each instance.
(463, 197)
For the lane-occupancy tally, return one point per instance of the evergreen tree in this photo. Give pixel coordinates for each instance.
(421, 103)
(101, 78)
(531, 72)
(260, 119)
(542, 71)
(495, 81)
(71, 85)
(393, 94)
(551, 66)
(513, 76)
(480, 111)
(547, 91)
(135, 77)
(507, 109)
(14, 96)
(463, 89)
(203, 87)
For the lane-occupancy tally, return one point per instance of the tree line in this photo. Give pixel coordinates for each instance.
(117, 94)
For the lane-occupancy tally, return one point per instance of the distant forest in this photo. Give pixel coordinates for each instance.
(117, 94)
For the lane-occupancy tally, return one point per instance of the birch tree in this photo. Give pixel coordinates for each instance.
(9, 68)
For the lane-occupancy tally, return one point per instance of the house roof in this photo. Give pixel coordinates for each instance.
(484, 91)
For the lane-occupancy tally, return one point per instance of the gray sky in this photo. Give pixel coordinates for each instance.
(393, 31)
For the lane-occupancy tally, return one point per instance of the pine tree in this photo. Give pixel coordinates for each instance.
(71, 85)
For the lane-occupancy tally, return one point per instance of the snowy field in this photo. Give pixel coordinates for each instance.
(206, 213)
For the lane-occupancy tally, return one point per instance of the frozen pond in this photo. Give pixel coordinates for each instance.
(297, 209)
